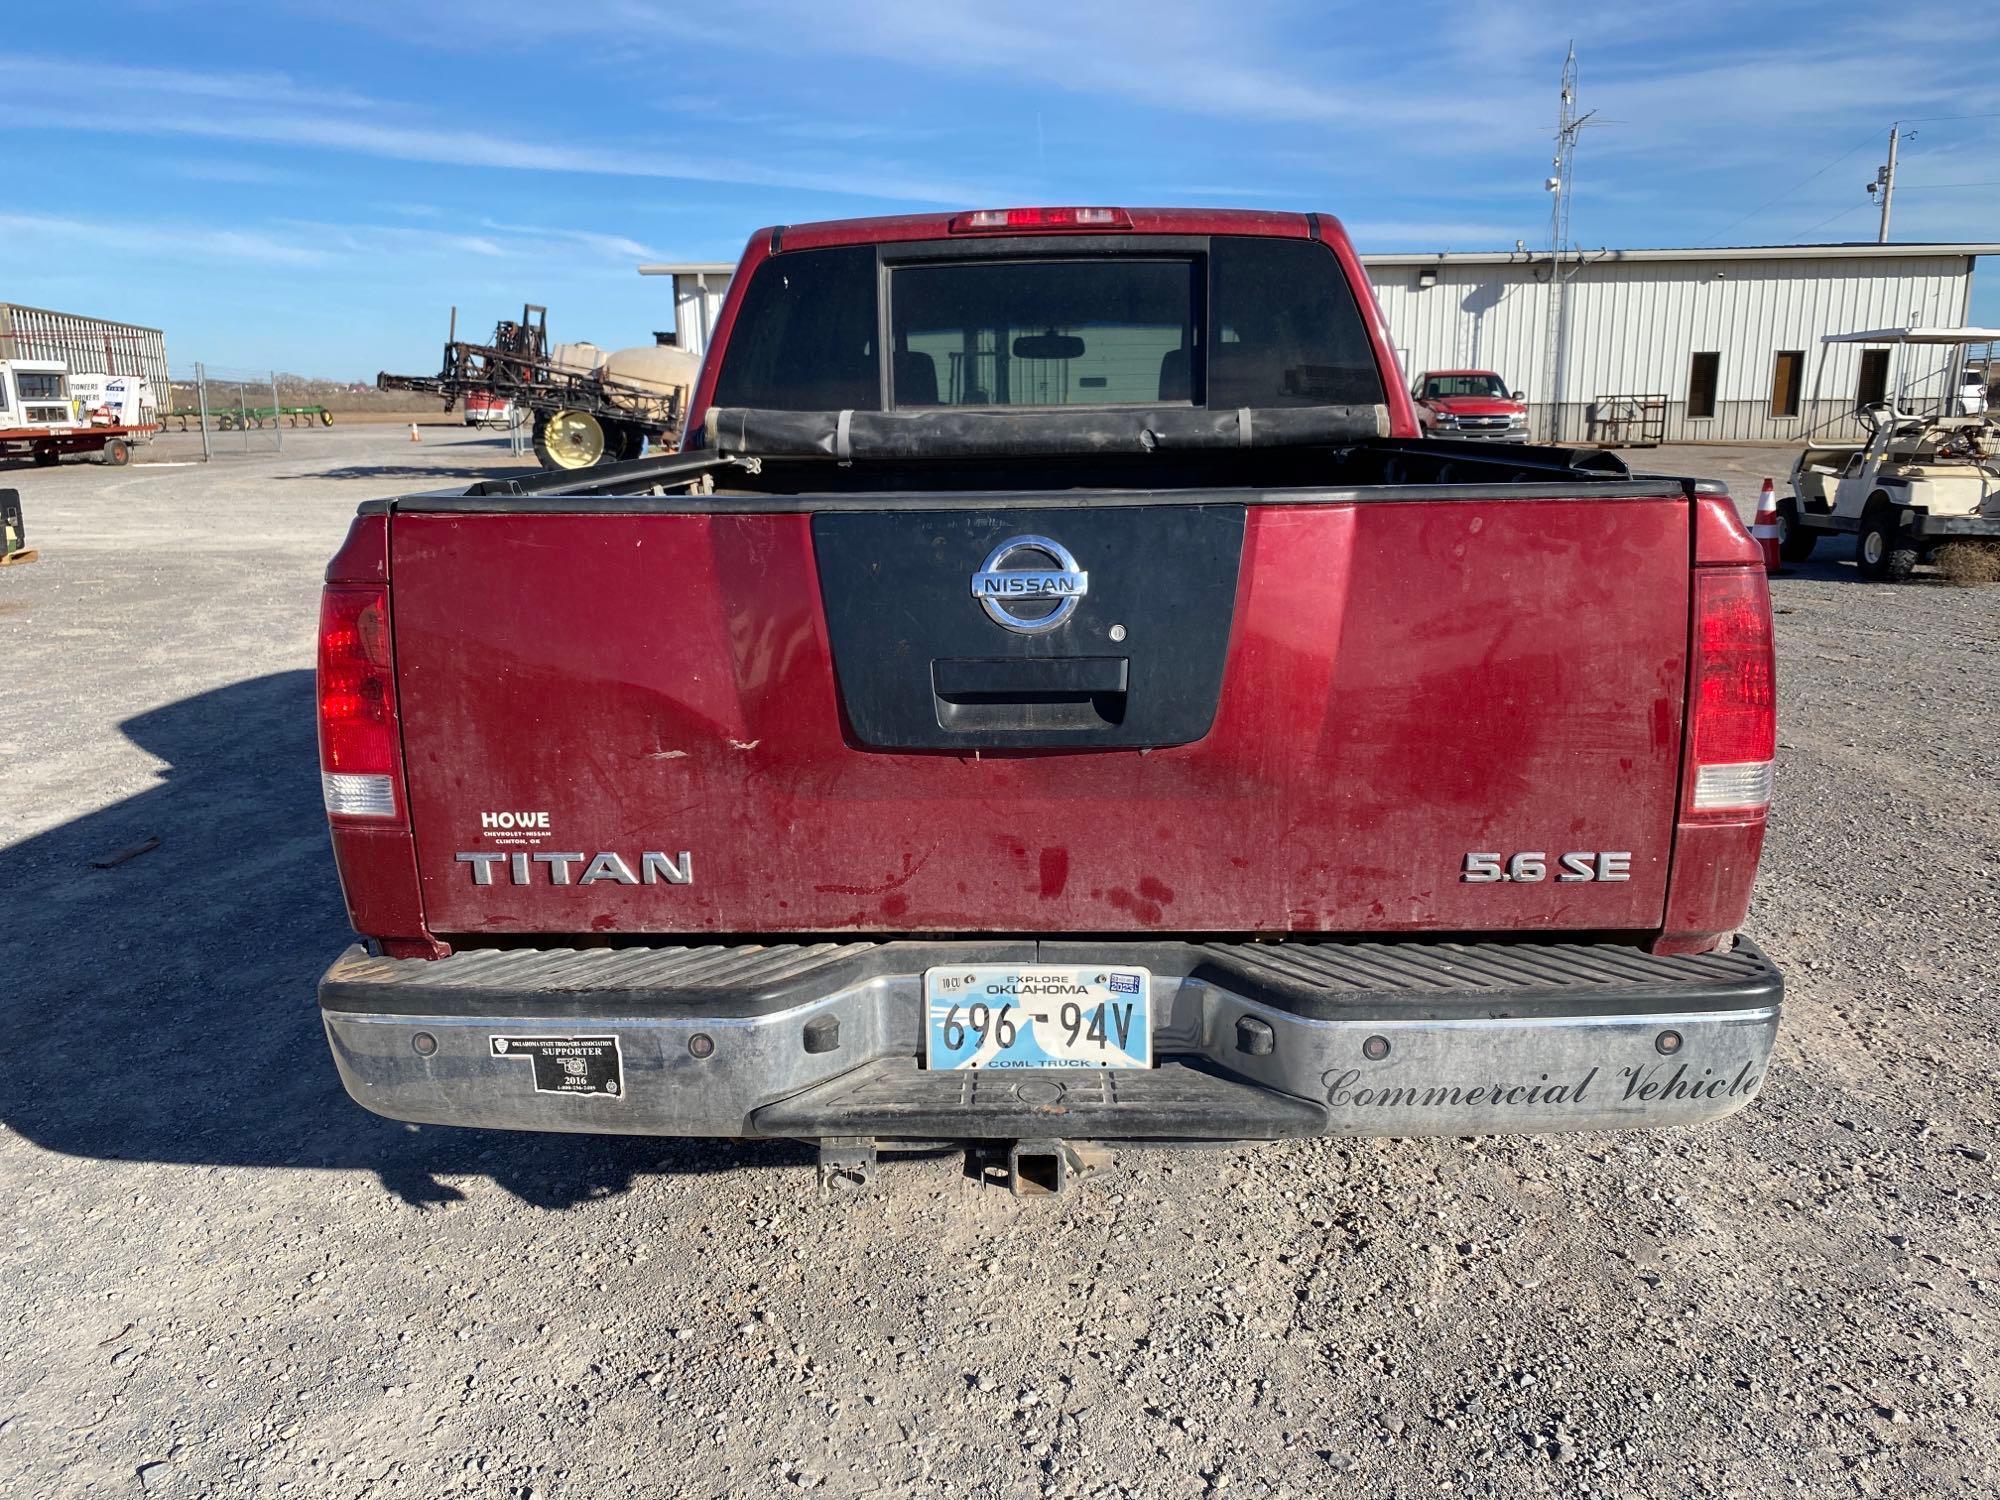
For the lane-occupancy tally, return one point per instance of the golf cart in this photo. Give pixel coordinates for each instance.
(1919, 481)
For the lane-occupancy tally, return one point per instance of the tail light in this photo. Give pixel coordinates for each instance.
(357, 703)
(1734, 703)
(1732, 735)
(988, 220)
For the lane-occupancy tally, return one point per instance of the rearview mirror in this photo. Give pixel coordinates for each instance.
(1518, 396)
(1048, 346)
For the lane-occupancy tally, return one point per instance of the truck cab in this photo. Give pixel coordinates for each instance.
(35, 397)
(1972, 398)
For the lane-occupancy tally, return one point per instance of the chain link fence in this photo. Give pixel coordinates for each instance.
(236, 410)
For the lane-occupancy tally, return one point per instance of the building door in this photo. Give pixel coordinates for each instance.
(1873, 385)
(1703, 371)
(1787, 378)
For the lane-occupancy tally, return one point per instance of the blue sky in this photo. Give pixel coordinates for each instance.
(313, 186)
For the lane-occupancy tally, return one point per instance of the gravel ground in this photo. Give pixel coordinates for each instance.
(222, 1278)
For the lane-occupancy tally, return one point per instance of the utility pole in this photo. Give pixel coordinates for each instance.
(1884, 185)
(1555, 349)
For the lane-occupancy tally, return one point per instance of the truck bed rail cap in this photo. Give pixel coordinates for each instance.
(850, 434)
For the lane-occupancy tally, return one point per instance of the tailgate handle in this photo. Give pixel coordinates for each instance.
(1013, 694)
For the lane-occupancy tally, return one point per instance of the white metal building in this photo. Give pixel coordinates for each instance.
(88, 345)
(1718, 345)
(1725, 342)
(698, 290)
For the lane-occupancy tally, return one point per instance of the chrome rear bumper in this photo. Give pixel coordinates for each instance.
(1253, 1041)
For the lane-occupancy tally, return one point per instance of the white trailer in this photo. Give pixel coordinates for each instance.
(43, 416)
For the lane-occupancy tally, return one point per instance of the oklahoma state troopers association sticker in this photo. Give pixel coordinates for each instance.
(568, 1064)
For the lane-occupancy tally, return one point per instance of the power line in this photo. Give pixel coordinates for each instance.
(1854, 208)
(1939, 187)
(1802, 182)
(1718, 234)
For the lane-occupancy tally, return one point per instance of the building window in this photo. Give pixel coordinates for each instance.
(1702, 372)
(1873, 386)
(1787, 375)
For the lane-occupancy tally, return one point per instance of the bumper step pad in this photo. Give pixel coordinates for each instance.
(895, 1099)
(1317, 978)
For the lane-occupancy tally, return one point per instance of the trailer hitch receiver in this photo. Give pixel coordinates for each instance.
(846, 1166)
(1043, 1169)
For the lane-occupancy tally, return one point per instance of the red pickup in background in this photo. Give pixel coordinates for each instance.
(1469, 404)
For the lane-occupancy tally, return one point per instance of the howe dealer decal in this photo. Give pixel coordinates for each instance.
(526, 863)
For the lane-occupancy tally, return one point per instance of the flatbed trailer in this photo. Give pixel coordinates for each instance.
(45, 446)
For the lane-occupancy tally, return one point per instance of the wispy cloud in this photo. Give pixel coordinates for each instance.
(376, 241)
(1427, 234)
(268, 110)
(611, 246)
(1461, 83)
(312, 242)
(247, 174)
(161, 241)
(1196, 191)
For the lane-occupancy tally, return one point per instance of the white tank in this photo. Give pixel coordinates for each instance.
(655, 367)
(581, 357)
(653, 380)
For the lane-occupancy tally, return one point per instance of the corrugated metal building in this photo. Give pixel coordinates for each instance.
(1723, 344)
(87, 345)
(698, 290)
(1727, 340)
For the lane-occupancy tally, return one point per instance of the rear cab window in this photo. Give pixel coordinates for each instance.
(1230, 321)
(1446, 387)
(1039, 332)
(805, 337)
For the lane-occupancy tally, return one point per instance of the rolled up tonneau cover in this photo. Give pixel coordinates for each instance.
(1041, 434)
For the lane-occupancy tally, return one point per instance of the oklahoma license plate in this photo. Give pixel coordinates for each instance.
(1038, 1016)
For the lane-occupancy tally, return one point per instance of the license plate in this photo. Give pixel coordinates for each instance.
(1038, 1016)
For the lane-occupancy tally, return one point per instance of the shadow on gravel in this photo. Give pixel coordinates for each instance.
(1835, 563)
(163, 1009)
(414, 471)
(1833, 569)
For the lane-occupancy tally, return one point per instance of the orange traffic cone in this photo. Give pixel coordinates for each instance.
(1764, 528)
(415, 439)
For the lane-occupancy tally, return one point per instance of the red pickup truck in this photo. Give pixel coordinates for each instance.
(1470, 404)
(1054, 698)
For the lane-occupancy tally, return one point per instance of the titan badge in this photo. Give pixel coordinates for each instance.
(1058, 583)
(655, 868)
